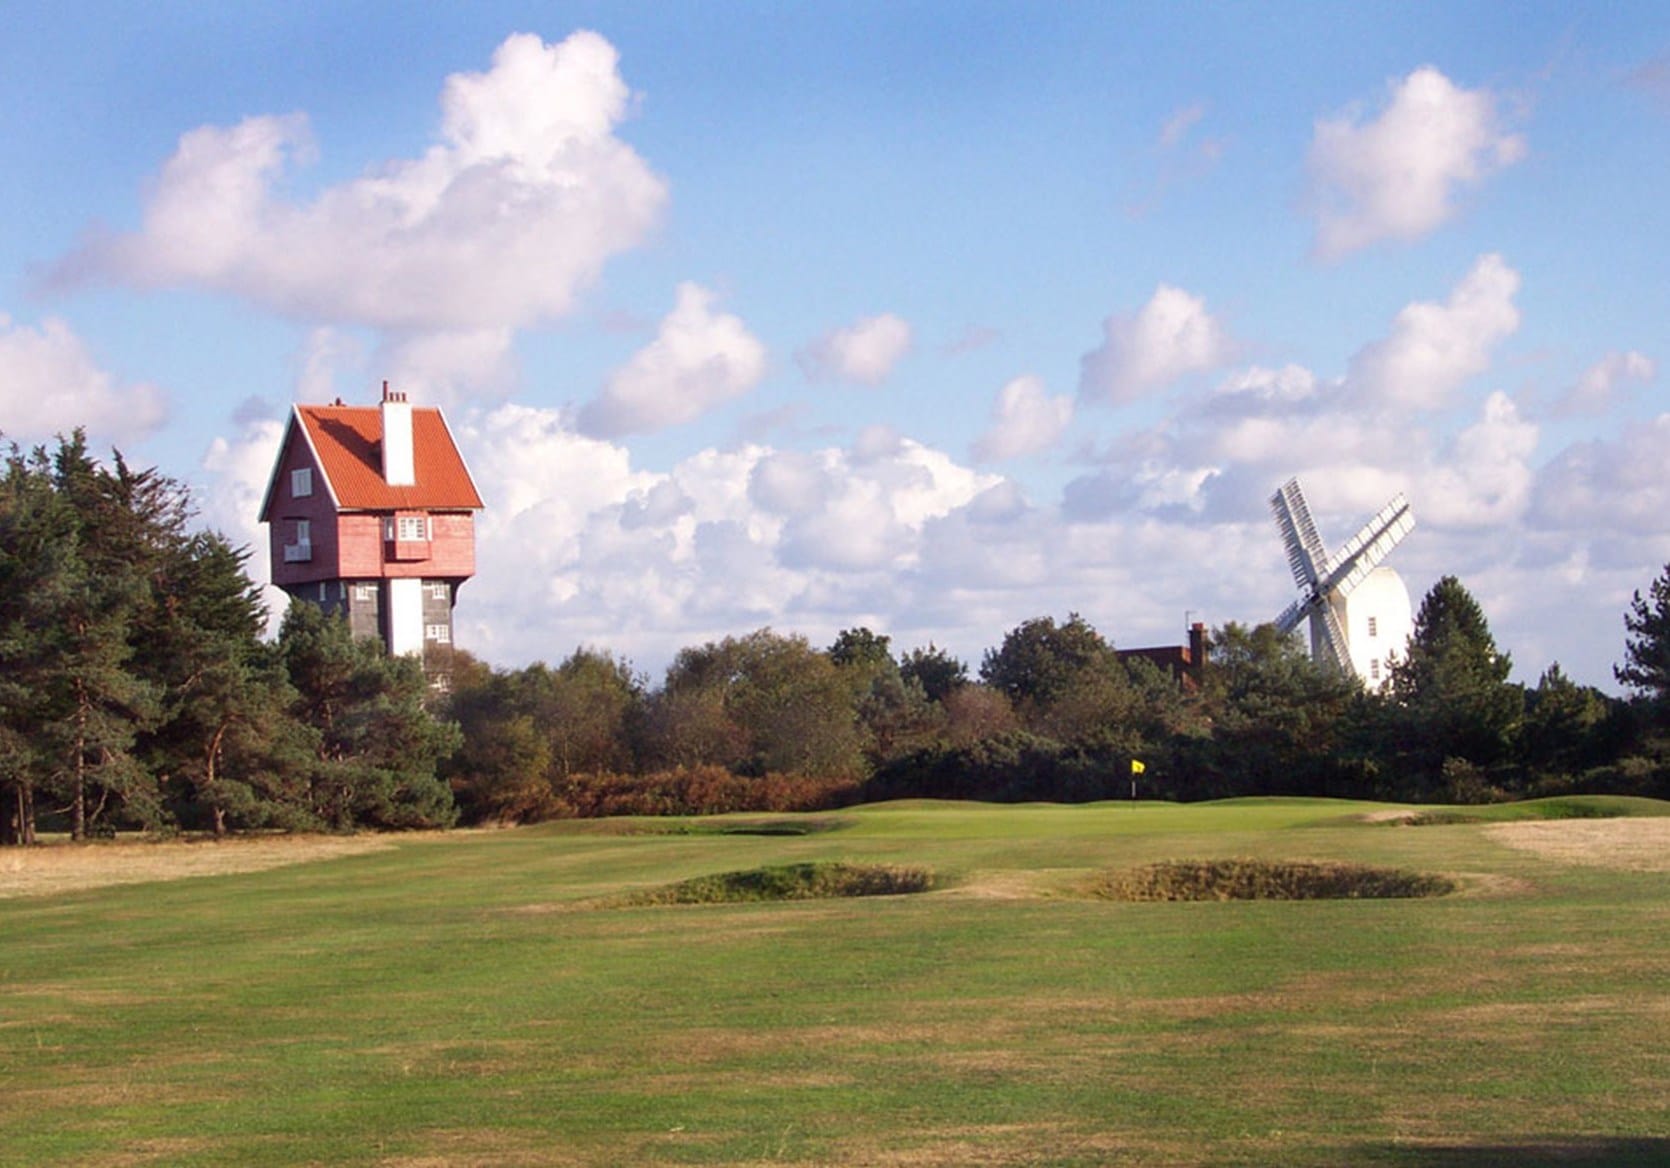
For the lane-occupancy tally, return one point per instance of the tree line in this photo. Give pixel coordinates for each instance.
(767, 721)
(137, 692)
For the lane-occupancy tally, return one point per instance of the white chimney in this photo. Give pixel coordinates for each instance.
(399, 467)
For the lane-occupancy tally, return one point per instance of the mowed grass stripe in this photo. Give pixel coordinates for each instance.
(434, 1004)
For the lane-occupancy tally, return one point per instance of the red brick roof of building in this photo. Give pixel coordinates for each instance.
(348, 441)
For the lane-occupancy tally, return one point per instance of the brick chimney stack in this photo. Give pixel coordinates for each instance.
(399, 465)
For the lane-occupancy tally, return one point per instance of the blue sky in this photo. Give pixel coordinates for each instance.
(929, 317)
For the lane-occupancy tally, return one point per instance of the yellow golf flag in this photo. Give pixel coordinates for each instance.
(1136, 767)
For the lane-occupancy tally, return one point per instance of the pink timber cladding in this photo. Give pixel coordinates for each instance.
(345, 512)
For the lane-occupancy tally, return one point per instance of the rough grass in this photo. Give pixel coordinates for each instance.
(64, 867)
(822, 880)
(1243, 879)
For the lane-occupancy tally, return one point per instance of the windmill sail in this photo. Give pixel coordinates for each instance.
(1324, 582)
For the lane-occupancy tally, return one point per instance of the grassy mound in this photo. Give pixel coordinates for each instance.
(821, 880)
(795, 825)
(1266, 880)
(1535, 809)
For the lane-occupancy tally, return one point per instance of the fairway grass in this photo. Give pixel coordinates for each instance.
(436, 1002)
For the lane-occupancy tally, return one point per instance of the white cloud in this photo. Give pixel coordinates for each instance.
(1396, 177)
(1596, 389)
(240, 468)
(445, 368)
(576, 546)
(1484, 478)
(864, 352)
(321, 357)
(1025, 420)
(1434, 348)
(1259, 391)
(497, 226)
(1618, 486)
(698, 360)
(50, 384)
(1173, 335)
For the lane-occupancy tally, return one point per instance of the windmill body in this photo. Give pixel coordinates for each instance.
(1358, 610)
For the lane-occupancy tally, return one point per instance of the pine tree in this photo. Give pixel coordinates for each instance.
(37, 540)
(378, 745)
(225, 733)
(1646, 667)
(1451, 688)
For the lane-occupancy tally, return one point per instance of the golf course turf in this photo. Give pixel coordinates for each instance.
(537, 997)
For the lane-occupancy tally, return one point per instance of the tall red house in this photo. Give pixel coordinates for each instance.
(371, 514)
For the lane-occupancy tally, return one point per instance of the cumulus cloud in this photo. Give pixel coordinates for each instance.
(1261, 392)
(1171, 336)
(239, 469)
(1596, 389)
(446, 368)
(864, 352)
(50, 384)
(1433, 348)
(579, 546)
(1025, 420)
(699, 359)
(1484, 479)
(1610, 485)
(516, 207)
(1397, 176)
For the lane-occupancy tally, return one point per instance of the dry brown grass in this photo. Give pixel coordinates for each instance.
(55, 868)
(1635, 845)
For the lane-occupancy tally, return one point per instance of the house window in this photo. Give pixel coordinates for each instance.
(301, 482)
(302, 550)
(412, 528)
(1374, 669)
(365, 592)
(440, 634)
(1373, 627)
(438, 590)
(324, 591)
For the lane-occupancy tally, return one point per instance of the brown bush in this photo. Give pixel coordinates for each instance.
(699, 790)
(1266, 880)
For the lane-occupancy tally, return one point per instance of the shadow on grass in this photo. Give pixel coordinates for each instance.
(1575, 1152)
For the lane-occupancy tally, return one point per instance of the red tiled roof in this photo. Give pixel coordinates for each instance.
(348, 441)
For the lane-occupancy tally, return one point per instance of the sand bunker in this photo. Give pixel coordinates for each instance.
(1635, 845)
(55, 868)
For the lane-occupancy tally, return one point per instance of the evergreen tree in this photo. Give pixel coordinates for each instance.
(1646, 667)
(1278, 719)
(97, 703)
(935, 670)
(1450, 692)
(225, 733)
(894, 711)
(37, 544)
(378, 745)
(1566, 726)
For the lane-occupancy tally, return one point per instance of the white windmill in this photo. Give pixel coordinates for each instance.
(1358, 610)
